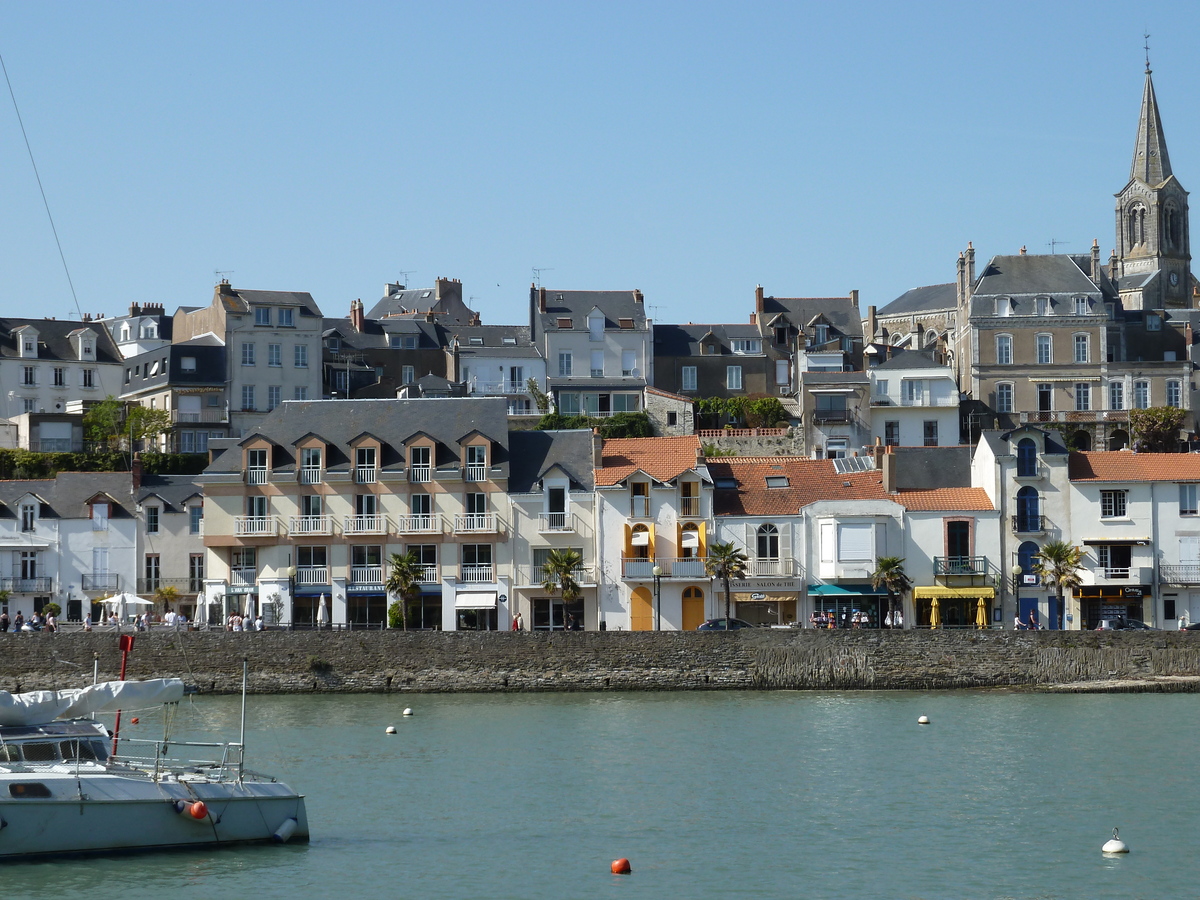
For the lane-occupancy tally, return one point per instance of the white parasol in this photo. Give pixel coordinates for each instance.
(322, 612)
(120, 603)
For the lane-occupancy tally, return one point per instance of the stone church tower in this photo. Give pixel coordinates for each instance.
(1153, 256)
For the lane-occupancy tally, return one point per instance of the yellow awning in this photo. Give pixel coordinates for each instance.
(960, 593)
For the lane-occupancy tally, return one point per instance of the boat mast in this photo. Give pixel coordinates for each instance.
(242, 754)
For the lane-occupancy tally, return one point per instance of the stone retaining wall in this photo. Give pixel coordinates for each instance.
(359, 661)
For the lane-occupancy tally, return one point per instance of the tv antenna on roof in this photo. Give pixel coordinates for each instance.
(537, 274)
(220, 274)
(402, 277)
(1052, 244)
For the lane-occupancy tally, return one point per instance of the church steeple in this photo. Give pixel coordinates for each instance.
(1151, 163)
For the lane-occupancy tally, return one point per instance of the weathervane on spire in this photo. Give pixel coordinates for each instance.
(1147, 47)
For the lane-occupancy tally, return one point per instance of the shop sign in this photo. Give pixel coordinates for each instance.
(761, 584)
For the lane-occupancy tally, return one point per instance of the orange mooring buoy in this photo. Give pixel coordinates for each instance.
(133, 721)
(621, 866)
(198, 810)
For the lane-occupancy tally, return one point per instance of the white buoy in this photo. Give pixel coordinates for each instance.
(923, 720)
(407, 711)
(1116, 845)
(391, 729)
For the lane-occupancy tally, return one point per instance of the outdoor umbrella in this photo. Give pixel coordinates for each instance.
(322, 613)
(981, 615)
(935, 614)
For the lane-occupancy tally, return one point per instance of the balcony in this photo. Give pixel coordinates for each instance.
(637, 568)
(639, 507)
(147, 586)
(242, 578)
(960, 565)
(498, 388)
(420, 474)
(476, 523)
(310, 474)
(682, 567)
(365, 474)
(831, 415)
(1186, 574)
(1113, 573)
(366, 575)
(784, 567)
(33, 585)
(689, 506)
(255, 526)
(929, 401)
(584, 576)
(475, 473)
(428, 575)
(216, 415)
(302, 525)
(419, 524)
(307, 576)
(256, 475)
(365, 525)
(100, 582)
(1027, 472)
(476, 574)
(555, 521)
(1082, 416)
(1029, 524)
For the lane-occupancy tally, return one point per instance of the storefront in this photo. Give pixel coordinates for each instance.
(848, 605)
(1098, 602)
(765, 607)
(953, 607)
(475, 611)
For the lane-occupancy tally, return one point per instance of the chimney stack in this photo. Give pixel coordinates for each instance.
(758, 300)
(637, 297)
(889, 471)
(1095, 273)
(872, 324)
(541, 300)
(970, 264)
(597, 449)
(961, 279)
(135, 473)
(357, 320)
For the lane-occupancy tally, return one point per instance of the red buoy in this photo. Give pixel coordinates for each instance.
(198, 810)
(621, 866)
(134, 720)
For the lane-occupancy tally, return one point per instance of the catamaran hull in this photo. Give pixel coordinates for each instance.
(235, 814)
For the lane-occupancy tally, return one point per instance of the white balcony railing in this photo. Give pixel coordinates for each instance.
(1115, 572)
(428, 575)
(419, 524)
(534, 575)
(251, 526)
(929, 401)
(242, 577)
(365, 474)
(310, 575)
(420, 474)
(310, 474)
(768, 568)
(556, 521)
(474, 523)
(475, 473)
(476, 574)
(256, 475)
(637, 568)
(683, 567)
(360, 575)
(364, 525)
(299, 525)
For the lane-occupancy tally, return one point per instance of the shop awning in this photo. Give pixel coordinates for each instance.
(844, 590)
(1138, 541)
(764, 596)
(475, 600)
(953, 593)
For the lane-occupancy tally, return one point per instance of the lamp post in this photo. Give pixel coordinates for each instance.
(1017, 571)
(291, 574)
(657, 573)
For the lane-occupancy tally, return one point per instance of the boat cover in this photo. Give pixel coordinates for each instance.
(41, 707)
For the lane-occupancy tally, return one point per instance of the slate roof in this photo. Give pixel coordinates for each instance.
(535, 453)
(1125, 465)
(662, 458)
(684, 340)
(492, 337)
(418, 301)
(67, 494)
(840, 312)
(927, 468)
(1024, 277)
(54, 339)
(393, 421)
(209, 369)
(615, 305)
(240, 301)
(913, 359)
(173, 490)
(933, 297)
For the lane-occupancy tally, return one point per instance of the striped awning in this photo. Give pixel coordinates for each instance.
(953, 593)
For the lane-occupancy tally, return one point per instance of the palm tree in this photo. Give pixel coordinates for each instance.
(558, 574)
(889, 574)
(1058, 563)
(404, 575)
(725, 561)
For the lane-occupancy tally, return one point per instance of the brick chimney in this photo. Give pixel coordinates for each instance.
(357, 320)
(597, 449)
(961, 279)
(134, 309)
(889, 471)
(758, 300)
(872, 324)
(541, 300)
(970, 264)
(637, 297)
(1095, 273)
(135, 473)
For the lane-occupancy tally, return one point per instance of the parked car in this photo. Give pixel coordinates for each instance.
(719, 625)
(1120, 623)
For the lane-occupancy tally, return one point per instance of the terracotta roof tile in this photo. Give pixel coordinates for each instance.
(808, 480)
(1125, 465)
(664, 458)
(945, 498)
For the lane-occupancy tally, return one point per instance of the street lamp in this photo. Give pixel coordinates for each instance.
(657, 573)
(291, 574)
(1016, 571)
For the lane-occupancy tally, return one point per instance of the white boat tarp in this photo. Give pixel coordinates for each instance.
(40, 707)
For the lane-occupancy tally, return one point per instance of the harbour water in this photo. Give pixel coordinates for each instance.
(710, 795)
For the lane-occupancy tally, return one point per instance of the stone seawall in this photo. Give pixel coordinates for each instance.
(359, 661)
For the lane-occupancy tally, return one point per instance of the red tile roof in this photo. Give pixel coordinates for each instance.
(1125, 465)
(955, 498)
(663, 458)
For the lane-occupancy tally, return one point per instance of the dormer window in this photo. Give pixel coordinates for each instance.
(625, 323)
(1081, 306)
(310, 465)
(287, 317)
(565, 322)
(477, 468)
(596, 327)
(1041, 306)
(256, 466)
(334, 345)
(100, 513)
(743, 346)
(28, 516)
(125, 332)
(821, 334)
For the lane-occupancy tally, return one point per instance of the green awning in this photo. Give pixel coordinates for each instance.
(845, 590)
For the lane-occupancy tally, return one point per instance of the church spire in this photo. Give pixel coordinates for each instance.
(1150, 161)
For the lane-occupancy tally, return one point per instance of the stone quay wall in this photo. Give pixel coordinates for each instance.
(759, 659)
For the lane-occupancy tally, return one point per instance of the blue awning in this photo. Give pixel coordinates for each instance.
(845, 590)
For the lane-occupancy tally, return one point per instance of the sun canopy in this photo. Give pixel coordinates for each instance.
(40, 707)
(959, 593)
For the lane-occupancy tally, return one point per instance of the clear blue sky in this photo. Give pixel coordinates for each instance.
(691, 150)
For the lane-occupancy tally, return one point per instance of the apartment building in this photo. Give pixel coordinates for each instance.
(47, 365)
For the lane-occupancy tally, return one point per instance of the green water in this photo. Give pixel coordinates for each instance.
(709, 795)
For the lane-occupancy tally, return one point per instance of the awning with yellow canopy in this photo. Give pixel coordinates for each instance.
(959, 593)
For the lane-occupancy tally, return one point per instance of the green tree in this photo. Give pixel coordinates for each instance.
(540, 398)
(403, 577)
(558, 574)
(1058, 563)
(889, 574)
(52, 609)
(626, 424)
(1156, 430)
(167, 595)
(146, 424)
(725, 561)
(104, 422)
(766, 412)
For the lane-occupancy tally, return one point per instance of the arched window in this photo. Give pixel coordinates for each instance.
(1081, 440)
(693, 593)
(1028, 504)
(1026, 458)
(768, 542)
(690, 543)
(1025, 556)
(641, 542)
(1118, 440)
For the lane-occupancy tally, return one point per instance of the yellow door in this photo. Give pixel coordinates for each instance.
(693, 609)
(641, 610)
